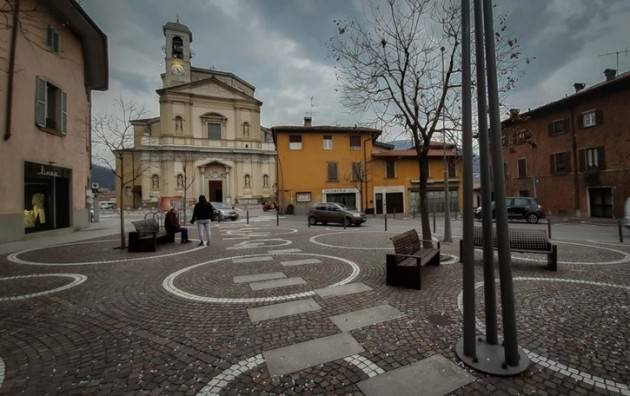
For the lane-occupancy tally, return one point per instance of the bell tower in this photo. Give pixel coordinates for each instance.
(178, 38)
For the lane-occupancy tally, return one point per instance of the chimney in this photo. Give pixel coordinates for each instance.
(308, 122)
(610, 74)
(514, 113)
(578, 87)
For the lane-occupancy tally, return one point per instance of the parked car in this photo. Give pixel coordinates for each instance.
(525, 208)
(224, 212)
(267, 206)
(626, 213)
(107, 205)
(331, 212)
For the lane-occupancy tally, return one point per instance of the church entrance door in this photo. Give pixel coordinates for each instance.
(215, 190)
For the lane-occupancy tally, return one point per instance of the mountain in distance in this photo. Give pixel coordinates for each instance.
(103, 176)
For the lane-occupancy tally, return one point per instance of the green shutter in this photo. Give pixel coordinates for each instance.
(63, 117)
(40, 102)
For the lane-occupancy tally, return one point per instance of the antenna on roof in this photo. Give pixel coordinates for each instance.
(312, 106)
(617, 53)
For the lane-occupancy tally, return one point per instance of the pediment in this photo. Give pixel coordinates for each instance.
(211, 87)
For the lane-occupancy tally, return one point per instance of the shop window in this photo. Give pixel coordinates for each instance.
(46, 197)
(248, 181)
(355, 142)
(50, 107)
(327, 143)
(155, 182)
(295, 142)
(266, 181)
(52, 39)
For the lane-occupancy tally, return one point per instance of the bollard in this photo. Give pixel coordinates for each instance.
(247, 215)
(385, 217)
(277, 217)
(434, 223)
(549, 228)
(620, 228)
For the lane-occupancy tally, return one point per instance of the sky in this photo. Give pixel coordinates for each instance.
(281, 47)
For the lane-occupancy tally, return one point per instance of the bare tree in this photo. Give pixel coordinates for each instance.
(112, 136)
(390, 65)
(188, 179)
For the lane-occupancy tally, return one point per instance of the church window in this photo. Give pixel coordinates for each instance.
(178, 47)
(266, 181)
(246, 129)
(155, 182)
(214, 131)
(248, 182)
(179, 123)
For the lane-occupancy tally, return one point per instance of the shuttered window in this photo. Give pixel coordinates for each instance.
(558, 127)
(390, 169)
(522, 167)
(356, 171)
(295, 142)
(560, 163)
(592, 158)
(52, 39)
(40, 103)
(332, 171)
(355, 142)
(51, 107)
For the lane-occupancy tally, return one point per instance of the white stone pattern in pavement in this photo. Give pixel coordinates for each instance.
(625, 259)
(571, 372)
(218, 383)
(364, 364)
(77, 279)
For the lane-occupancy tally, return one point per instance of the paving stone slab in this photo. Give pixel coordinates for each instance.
(433, 376)
(343, 290)
(283, 309)
(292, 263)
(278, 251)
(365, 317)
(271, 284)
(252, 259)
(307, 354)
(258, 277)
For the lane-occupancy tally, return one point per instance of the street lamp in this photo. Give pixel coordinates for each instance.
(448, 237)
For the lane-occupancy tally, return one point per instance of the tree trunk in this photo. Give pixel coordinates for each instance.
(423, 167)
(123, 243)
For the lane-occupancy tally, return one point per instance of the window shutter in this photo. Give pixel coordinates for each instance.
(565, 125)
(332, 171)
(582, 154)
(64, 113)
(550, 130)
(567, 161)
(601, 158)
(49, 37)
(580, 121)
(552, 164)
(599, 114)
(40, 103)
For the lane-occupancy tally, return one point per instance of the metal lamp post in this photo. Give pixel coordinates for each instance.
(448, 237)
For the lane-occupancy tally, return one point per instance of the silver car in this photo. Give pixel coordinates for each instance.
(224, 212)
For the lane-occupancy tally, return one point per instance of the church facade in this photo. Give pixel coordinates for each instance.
(207, 139)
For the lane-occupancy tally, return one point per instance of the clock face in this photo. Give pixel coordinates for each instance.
(177, 69)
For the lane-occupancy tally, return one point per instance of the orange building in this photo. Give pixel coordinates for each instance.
(347, 165)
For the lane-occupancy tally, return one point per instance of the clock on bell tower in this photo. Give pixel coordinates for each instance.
(178, 38)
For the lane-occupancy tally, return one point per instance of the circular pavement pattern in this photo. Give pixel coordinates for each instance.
(551, 364)
(14, 257)
(612, 254)
(169, 281)
(77, 279)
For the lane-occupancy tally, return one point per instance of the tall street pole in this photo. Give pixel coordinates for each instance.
(510, 341)
(448, 237)
(486, 199)
(469, 347)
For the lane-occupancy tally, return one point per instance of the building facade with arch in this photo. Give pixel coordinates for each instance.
(207, 140)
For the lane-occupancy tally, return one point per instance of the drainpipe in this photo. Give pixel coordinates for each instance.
(576, 180)
(365, 183)
(11, 71)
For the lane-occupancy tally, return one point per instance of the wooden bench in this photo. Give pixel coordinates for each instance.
(402, 268)
(147, 236)
(522, 241)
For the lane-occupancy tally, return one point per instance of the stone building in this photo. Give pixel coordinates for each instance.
(573, 154)
(50, 62)
(207, 139)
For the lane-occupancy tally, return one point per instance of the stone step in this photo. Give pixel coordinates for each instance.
(342, 290)
(275, 311)
(258, 277)
(272, 284)
(307, 354)
(365, 317)
(435, 376)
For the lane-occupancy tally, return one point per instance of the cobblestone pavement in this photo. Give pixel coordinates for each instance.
(177, 321)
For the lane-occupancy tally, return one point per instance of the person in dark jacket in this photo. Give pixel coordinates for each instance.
(171, 225)
(202, 214)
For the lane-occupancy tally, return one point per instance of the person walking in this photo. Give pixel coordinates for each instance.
(171, 225)
(202, 214)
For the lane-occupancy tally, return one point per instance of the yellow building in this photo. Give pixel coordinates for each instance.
(347, 165)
